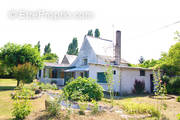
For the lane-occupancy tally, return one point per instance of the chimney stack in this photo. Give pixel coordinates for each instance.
(118, 48)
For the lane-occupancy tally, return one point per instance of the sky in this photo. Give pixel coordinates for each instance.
(147, 26)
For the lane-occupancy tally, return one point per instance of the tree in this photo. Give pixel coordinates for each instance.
(90, 33)
(47, 48)
(13, 54)
(38, 46)
(50, 57)
(141, 60)
(24, 72)
(97, 33)
(73, 47)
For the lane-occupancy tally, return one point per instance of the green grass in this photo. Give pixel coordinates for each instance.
(7, 84)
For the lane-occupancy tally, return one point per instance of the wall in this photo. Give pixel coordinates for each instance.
(127, 76)
(93, 69)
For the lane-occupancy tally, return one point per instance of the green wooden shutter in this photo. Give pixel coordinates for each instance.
(101, 77)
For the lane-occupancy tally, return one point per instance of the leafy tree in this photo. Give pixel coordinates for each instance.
(13, 54)
(73, 47)
(38, 46)
(149, 63)
(24, 72)
(50, 57)
(141, 60)
(47, 49)
(90, 33)
(97, 33)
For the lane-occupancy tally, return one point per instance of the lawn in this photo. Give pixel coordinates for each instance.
(6, 88)
(39, 113)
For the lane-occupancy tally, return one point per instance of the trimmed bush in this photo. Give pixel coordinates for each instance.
(178, 99)
(174, 85)
(139, 87)
(85, 86)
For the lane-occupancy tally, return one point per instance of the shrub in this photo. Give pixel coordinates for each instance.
(139, 87)
(178, 116)
(94, 108)
(24, 92)
(21, 108)
(48, 86)
(53, 107)
(178, 99)
(174, 85)
(85, 86)
(53, 82)
(140, 108)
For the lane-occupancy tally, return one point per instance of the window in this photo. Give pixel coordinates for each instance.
(101, 78)
(86, 74)
(61, 74)
(114, 72)
(142, 72)
(85, 61)
(54, 73)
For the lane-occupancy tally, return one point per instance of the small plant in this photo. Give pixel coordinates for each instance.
(94, 108)
(178, 99)
(178, 116)
(139, 87)
(21, 108)
(53, 107)
(24, 92)
(140, 108)
(83, 106)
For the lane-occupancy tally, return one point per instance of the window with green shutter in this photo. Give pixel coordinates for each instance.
(101, 78)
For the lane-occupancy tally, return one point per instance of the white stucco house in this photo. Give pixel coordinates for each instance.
(92, 61)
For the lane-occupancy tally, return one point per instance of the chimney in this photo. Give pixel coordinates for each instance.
(118, 48)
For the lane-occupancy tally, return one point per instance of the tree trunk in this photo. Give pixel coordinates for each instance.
(18, 83)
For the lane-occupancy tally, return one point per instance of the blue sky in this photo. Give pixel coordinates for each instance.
(143, 24)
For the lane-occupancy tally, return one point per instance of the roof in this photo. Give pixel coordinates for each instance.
(78, 69)
(109, 58)
(55, 65)
(101, 46)
(71, 58)
(125, 67)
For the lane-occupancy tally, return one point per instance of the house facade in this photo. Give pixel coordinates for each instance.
(92, 61)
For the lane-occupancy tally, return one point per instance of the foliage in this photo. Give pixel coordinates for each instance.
(149, 63)
(25, 73)
(21, 108)
(139, 87)
(24, 92)
(159, 86)
(83, 106)
(140, 108)
(178, 99)
(177, 36)
(174, 85)
(73, 47)
(48, 86)
(110, 81)
(50, 57)
(38, 46)
(53, 107)
(95, 107)
(47, 48)
(141, 60)
(13, 54)
(178, 116)
(97, 33)
(85, 86)
(90, 33)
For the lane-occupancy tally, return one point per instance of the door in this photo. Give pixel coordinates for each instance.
(152, 83)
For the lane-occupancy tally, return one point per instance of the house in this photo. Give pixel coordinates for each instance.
(92, 60)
